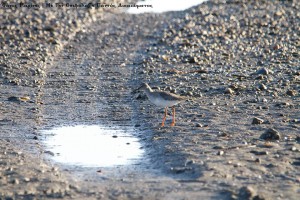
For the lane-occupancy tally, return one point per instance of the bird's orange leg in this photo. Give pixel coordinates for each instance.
(165, 116)
(173, 121)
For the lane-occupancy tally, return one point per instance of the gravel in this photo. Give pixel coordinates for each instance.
(235, 59)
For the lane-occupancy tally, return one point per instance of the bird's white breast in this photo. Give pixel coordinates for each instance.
(163, 103)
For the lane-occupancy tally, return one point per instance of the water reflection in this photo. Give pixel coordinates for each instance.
(159, 6)
(92, 146)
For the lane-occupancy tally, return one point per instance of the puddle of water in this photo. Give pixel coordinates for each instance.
(92, 146)
(159, 6)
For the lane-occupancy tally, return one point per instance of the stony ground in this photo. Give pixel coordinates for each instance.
(236, 138)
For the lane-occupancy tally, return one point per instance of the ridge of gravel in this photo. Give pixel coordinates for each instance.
(238, 61)
(29, 40)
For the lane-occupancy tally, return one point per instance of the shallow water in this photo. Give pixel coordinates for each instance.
(92, 146)
(160, 6)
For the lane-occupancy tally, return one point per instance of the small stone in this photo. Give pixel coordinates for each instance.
(193, 60)
(246, 192)
(262, 71)
(291, 92)
(218, 147)
(179, 170)
(259, 197)
(237, 165)
(294, 148)
(26, 179)
(228, 91)
(270, 134)
(257, 120)
(258, 160)
(14, 99)
(16, 181)
(50, 153)
(199, 125)
(262, 87)
(189, 162)
(220, 153)
(259, 153)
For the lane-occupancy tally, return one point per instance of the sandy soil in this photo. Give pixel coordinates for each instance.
(236, 138)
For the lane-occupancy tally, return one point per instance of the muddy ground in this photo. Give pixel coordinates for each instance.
(237, 137)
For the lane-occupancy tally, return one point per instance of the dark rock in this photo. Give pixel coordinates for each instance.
(218, 147)
(262, 87)
(259, 153)
(179, 170)
(193, 60)
(270, 134)
(246, 192)
(263, 71)
(13, 99)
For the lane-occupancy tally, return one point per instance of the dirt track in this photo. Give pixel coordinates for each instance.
(214, 151)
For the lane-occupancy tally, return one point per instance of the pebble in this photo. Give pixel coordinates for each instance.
(257, 120)
(246, 192)
(291, 92)
(294, 148)
(259, 153)
(270, 134)
(262, 87)
(258, 160)
(198, 125)
(262, 71)
(179, 170)
(16, 181)
(228, 91)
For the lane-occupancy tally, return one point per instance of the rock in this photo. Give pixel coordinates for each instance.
(220, 153)
(257, 160)
(262, 87)
(18, 99)
(218, 147)
(270, 134)
(179, 170)
(263, 71)
(193, 60)
(257, 120)
(15, 181)
(246, 192)
(228, 91)
(294, 148)
(13, 99)
(259, 153)
(291, 92)
(189, 162)
(198, 125)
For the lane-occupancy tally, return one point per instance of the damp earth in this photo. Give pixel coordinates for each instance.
(237, 137)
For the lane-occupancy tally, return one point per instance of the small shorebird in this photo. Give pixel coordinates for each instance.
(162, 99)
